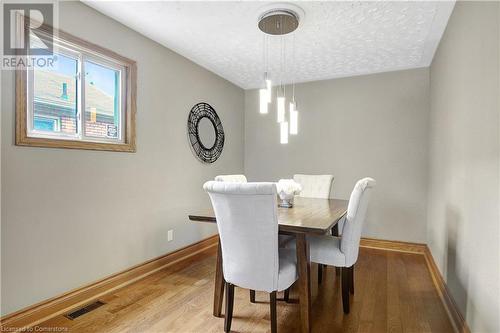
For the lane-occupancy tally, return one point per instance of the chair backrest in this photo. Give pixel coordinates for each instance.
(356, 213)
(314, 186)
(231, 178)
(247, 220)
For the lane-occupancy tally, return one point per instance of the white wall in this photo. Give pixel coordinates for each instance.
(374, 125)
(463, 212)
(70, 217)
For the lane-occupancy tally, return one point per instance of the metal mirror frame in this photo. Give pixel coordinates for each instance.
(197, 113)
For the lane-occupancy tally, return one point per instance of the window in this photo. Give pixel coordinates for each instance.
(85, 101)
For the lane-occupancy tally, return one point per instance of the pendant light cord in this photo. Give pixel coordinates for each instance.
(265, 55)
(281, 56)
(293, 68)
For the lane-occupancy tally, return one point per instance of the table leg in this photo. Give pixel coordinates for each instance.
(304, 267)
(335, 230)
(219, 284)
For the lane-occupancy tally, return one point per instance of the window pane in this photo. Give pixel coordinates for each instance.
(102, 101)
(54, 97)
(46, 124)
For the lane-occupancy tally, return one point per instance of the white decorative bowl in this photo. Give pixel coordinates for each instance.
(287, 189)
(286, 199)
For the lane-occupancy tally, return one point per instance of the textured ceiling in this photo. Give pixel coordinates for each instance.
(334, 39)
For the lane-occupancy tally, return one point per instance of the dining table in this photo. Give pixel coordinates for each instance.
(308, 216)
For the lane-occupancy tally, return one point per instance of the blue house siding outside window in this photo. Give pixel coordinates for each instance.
(46, 124)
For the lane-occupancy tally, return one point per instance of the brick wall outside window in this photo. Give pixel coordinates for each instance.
(68, 125)
(96, 129)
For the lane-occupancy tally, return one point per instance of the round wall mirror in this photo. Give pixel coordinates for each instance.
(205, 132)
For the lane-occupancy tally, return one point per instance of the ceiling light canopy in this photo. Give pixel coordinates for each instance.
(279, 22)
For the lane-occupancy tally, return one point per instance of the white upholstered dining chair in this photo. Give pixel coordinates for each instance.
(231, 178)
(240, 179)
(314, 186)
(247, 221)
(343, 251)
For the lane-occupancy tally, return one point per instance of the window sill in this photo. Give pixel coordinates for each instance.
(22, 140)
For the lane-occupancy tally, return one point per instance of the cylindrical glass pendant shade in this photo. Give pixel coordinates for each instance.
(284, 132)
(294, 122)
(269, 88)
(281, 109)
(263, 100)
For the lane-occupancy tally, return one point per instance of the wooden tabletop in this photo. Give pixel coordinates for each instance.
(308, 215)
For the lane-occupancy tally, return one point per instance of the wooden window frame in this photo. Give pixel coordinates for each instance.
(128, 132)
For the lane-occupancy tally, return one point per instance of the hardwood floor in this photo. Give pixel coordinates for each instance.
(393, 293)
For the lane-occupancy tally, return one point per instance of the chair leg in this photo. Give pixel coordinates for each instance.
(286, 296)
(252, 296)
(351, 279)
(274, 325)
(320, 273)
(229, 306)
(345, 288)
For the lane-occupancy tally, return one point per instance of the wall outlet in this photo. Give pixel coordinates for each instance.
(170, 235)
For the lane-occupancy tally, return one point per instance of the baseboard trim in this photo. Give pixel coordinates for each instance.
(456, 318)
(50, 308)
(451, 307)
(389, 245)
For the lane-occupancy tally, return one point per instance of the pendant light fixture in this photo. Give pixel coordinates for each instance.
(266, 92)
(280, 108)
(269, 87)
(279, 22)
(294, 113)
(294, 119)
(284, 132)
(264, 100)
(281, 101)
